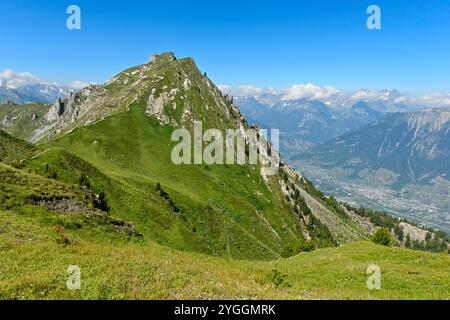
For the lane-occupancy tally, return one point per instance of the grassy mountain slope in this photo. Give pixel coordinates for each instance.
(13, 150)
(38, 243)
(103, 193)
(48, 225)
(175, 92)
(37, 269)
(234, 213)
(34, 199)
(21, 120)
(222, 210)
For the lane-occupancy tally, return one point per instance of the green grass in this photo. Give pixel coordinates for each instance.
(13, 150)
(115, 265)
(32, 199)
(220, 210)
(224, 210)
(35, 268)
(107, 198)
(24, 118)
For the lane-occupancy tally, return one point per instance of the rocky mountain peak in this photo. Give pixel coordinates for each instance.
(174, 91)
(165, 56)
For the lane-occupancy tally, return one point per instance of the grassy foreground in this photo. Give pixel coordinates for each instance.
(35, 267)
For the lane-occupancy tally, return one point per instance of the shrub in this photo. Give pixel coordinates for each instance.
(278, 279)
(383, 236)
(84, 181)
(408, 241)
(399, 232)
(334, 205)
(320, 233)
(62, 237)
(101, 203)
(307, 246)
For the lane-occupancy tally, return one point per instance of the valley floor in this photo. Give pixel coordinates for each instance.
(412, 202)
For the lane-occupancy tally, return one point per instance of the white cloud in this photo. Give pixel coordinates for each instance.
(309, 91)
(226, 89)
(15, 80)
(436, 99)
(392, 96)
(383, 95)
(246, 90)
(78, 85)
(249, 90)
(332, 96)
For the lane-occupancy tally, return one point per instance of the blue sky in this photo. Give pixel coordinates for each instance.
(262, 43)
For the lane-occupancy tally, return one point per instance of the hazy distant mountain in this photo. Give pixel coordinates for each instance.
(41, 93)
(416, 146)
(305, 123)
(382, 101)
(396, 162)
(370, 148)
(359, 115)
(308, 115)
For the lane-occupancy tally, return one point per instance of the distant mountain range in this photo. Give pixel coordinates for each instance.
(401, 162)
(314, 119)
(40, 92)
(416, 146)
(379, 149)
(305, 123)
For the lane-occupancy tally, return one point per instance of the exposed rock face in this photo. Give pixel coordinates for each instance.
(66, 205)
(155, 105)
(62, 205)
(174, 91)
(7, 121)
(21, 120)
(180, 95)
(81, 107)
